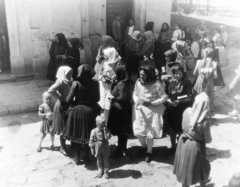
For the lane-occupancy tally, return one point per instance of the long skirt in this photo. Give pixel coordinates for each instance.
(190, 164)
(104, 93)
(219, 81)
(222, 56)
(53, 66)
(80, 122)
(148, 121)
(120, 119)
(159, 54)
(58, 119)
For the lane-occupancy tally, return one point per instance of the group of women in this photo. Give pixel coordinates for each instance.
(136, 98)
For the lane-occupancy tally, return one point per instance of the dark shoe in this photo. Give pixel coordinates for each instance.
(116, 154)
(142, 151)
(107, 175)
(39, 149)
(86, 158)
(51, 147)
(148, 158)
(100, 174)
(77, 161)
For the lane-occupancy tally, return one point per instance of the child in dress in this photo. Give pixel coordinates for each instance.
(100, 146)
(45, 110)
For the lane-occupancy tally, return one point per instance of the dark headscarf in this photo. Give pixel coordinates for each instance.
(149, 26)
(62, 39)
(75, 43)
(85, 74)
(150, 73)
(121, 75)
(165, 30)
(107, 42)
(178, 67)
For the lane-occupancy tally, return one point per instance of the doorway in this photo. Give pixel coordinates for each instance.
(4, 42)
(124, 8)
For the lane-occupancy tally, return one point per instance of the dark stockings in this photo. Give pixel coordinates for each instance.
(122, 143)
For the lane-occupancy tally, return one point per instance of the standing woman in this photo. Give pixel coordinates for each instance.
(201, 31)
(180, 95)
(148, 47)
(163, 44)
(84, 110)
(148, 97)
(206, 70)
(58, 55)
(106, 77)
(60, 90)
(188, 35)
(120, 113)
(218, 41)
(190, 164)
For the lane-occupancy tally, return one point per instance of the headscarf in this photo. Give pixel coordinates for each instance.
(107, 42)
(112, 56)
(150, 73)
(162, 30)
(178, 67)
(135, 34)
(172, 55)
(64, 74)
(75, 43)
(199, 110)
(62, 39)
(149, 36)
(121, 73)
(85, 74)
(149, 26)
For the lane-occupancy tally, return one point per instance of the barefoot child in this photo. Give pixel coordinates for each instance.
(100, 146)
(45, 110)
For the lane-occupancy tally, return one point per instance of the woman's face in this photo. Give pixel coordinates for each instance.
(167, 59)
(178, 75)
(139, 36)
(165, 26)
(143, 76)
(69, 75)
(131, 23)
(187, 29)
(57, 40)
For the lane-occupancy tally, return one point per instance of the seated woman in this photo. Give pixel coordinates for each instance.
(218, 42)
(148, 97)
(136, 44)
(180, 94)
(190, 164)
(120, 113)
(178, 34)
(188, 35)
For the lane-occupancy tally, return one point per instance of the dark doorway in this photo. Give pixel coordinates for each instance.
(4, 42)
(124, 8)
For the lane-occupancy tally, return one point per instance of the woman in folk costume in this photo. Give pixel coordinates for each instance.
(148, 97)
(190, 164)
(58, 55)
(179, 91)
(149, 43)
(83, 98)
(106, 77)
(206, 71)
(60, 90)
(163, 44)
(120, 113)
(136, 44)
(106, 42)
(234, 94)
(218, 41)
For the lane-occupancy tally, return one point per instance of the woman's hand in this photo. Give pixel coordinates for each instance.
(64, 57)
(175, 103)
(58, 57)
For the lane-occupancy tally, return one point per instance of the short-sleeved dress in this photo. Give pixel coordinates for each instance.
(46, 126)
(148, 121)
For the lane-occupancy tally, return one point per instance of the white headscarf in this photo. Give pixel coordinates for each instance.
(135, 34)
(199, 110)
(64, 74)
(112, 55)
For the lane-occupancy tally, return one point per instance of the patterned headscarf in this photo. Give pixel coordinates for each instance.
(150, 73)
(64, 74)
(199, 110)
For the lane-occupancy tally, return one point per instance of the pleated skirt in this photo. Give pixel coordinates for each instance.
(80, 122)
(190, 164)
(58, 119)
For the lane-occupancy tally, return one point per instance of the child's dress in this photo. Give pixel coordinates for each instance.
(46, 126)
(99, 142)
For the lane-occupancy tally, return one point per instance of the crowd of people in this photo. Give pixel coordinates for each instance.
(148, 95)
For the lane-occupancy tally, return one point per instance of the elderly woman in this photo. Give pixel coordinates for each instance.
(60, 90)
(148, 97)
(106, 77)
(190, 164)
(136, 44)
(163, 44)
(179, 90)
(120, 113)
(83, 97)
(58, 55)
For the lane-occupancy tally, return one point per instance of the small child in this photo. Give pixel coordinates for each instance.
(45, 110)
(100, 146)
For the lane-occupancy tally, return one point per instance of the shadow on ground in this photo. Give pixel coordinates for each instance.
(214, 154)
(121, 173)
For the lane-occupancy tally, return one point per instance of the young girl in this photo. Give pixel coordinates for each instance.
(100, 146)
(45, 110)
